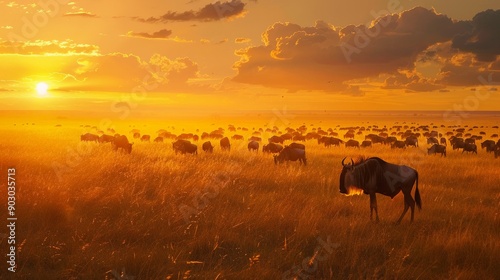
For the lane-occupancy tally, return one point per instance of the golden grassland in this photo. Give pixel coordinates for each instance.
(236, 215)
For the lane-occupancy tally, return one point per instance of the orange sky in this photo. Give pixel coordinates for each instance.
(254, 54)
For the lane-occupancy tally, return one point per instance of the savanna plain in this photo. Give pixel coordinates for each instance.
(88, 212)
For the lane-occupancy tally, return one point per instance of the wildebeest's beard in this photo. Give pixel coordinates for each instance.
(351, 184)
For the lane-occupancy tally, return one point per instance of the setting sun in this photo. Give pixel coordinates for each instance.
(42, 88)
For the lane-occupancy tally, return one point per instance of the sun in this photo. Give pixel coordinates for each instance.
(42, 88)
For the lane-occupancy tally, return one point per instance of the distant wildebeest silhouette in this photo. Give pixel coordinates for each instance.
(225, 144)
(272, 148)
(89, 137)
(207, 147)
(437, 149)
(121, 142)
(253, 146)
(291, 154)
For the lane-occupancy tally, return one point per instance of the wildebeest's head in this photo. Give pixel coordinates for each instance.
(348, 184)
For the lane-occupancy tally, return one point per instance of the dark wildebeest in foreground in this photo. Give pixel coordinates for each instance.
(297, 146)
(158, 139)
(121, 142)
(253, 146)
(145, 138)
(207, 147)
(106, 138)
(184, 146)
(89, 137)
(352, 143)
(437, 149)
(366, 143)
(291, 154)
(224, 144)
(470, 148)
(374, 175)
(272, 148)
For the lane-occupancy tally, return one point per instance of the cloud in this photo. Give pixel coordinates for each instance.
(80, 14)
(41, 47)
(483, 38)
(211, 12)
(296, 57)
(242, 40)
(162, 34)
(324, 57)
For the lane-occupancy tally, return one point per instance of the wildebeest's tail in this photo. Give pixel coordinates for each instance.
(417, 193)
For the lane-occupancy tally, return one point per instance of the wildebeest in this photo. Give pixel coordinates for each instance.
(411, 141)
(237, 137)
(207, 147)
(291, 154)
(432, 140)
(145, 138)
(332, 141)
(442, 141)
(184, 146)
(137, 135)
(374, 175)
(224, 144)
(437, 149)
(253, 146)
(272, 148)
(366, 143)
(389, 140)
(121, 142)
(276, 139)
(470, 141)
(89, 137)
(349, 135)
(470, 148)
(398, 144)
(106, 138)
(489, 145)
(299, 138)
(255, 138)
(352, 143)
(297, 146)
(158, 139)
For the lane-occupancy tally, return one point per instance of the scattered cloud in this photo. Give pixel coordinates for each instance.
(80, 14)
(211, 12)
(242, 40)
(38, 47)
(162, 34)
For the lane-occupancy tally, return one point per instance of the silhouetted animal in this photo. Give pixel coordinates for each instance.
(470, 148)
(297, 146)
(121, 142)
(437, 149)
(106, 138)
(272, 148)
(207, 147)
(225, 144)
(253, 146)
(145, 138)
(89, 137)
(352, 143)
(374, 175)
(158, 139)
(366, 143)
(291, 154)
(276, 139)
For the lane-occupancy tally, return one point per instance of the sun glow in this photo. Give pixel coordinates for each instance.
(42, 89)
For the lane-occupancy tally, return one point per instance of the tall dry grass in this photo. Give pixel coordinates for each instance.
(236, 215)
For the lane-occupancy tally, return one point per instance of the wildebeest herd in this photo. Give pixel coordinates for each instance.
(396, 137)
(369, 176)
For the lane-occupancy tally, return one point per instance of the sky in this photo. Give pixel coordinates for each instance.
(254, 54)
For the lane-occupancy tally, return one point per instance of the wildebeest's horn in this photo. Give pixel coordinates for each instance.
(343, 161)
(352, 162)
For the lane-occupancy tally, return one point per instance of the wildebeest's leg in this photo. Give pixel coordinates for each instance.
(373, 206)
(409, 202)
